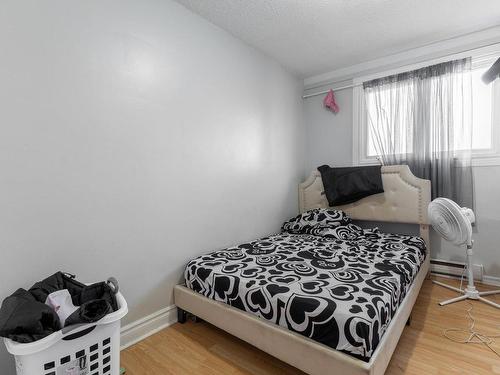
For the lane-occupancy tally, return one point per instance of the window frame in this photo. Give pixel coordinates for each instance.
(481, 57)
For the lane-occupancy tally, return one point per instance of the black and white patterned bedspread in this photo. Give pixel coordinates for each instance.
(340, 288)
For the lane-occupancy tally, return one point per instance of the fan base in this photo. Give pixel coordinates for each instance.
(468, 293)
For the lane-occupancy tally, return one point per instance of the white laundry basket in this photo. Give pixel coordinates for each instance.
(83, 349)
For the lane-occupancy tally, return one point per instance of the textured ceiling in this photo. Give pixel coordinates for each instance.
(315, 36)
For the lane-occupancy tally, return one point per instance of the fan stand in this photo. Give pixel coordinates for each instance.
(470, 292)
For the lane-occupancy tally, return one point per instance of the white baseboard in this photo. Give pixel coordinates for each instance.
(137, 331)
(491, 280)
(454, 269)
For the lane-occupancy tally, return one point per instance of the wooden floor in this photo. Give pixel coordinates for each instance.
(200, 348)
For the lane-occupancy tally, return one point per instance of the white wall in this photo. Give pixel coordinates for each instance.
(330, 142)
(134, 136)
(329, 135)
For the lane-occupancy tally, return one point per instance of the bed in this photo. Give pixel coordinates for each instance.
(329, 302)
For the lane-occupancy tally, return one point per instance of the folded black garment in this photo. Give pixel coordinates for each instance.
(89, 312)
(24, 319)
(100, 291)
(349, 184)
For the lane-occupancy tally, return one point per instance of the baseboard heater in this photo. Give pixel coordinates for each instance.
(454, 269)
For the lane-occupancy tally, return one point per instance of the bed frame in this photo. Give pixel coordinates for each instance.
(405, 200)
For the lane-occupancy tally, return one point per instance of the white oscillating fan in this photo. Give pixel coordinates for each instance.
(454, 224)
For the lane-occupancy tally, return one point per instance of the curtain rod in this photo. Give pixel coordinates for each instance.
(326, 92)
(442, 57)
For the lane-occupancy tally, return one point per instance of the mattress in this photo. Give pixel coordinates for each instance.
(338, 288)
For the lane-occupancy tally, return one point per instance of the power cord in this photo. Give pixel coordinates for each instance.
(472, 336)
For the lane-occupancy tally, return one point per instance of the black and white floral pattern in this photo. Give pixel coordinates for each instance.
(316, 221)
(332, 282)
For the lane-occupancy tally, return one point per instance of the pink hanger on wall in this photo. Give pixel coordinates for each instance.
(330, 103)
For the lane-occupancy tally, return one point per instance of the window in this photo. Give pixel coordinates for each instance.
(485, 117)
(405, 145)
(483, 97)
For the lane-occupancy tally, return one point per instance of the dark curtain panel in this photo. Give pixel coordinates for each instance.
(423, 118)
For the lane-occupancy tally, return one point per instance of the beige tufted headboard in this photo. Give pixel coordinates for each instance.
(405, 199)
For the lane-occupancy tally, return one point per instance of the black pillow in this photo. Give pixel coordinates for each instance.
(349, 184)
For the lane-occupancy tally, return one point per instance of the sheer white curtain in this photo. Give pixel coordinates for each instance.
(423, 118)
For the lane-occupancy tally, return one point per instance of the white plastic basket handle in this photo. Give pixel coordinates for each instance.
(74, 327)
(113, 284)
(73, 332)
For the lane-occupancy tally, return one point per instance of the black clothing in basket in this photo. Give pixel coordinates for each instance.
(24, 316)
